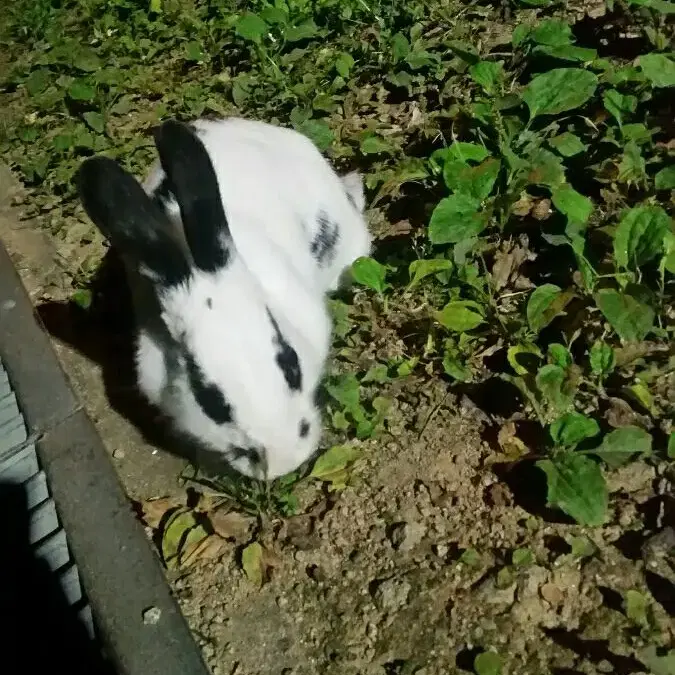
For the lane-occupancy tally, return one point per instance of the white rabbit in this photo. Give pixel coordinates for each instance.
(234, 362)
(275, 183)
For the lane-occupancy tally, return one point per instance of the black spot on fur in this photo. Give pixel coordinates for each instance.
(253, 455)
(325, 240)
(209, 303)
(192, 180)
(304, 428)
(210, 399)
(287, 358)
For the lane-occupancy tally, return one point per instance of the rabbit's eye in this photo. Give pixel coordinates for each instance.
(252, 454)
(304, 428)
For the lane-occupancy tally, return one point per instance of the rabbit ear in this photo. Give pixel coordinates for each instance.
(193, 182)
(133, 223)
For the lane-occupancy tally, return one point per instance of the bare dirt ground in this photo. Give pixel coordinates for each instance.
(431, 556)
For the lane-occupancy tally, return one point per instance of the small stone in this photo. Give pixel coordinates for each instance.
(118, 453)
(552, 594)
(392, 594)
(151, 616)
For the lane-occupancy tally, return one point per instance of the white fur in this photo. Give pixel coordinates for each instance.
(274, 182)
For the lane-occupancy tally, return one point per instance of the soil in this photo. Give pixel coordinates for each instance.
(411, 569)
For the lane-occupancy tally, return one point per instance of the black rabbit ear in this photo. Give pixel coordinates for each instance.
(123, 212)
(193, 182)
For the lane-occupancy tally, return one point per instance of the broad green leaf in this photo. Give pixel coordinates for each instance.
(572, 428)
(337, 458)
(639, 236)
(671, 445)
(156, 6)
(663, 7)
(602, 359)
(250, 27)
(573, 204)
(346, 390)
(487, 663)
(252, 563)
(522, 557)
(576, 486)
(620, 445)
(520, 33)
(82, 298)
(487, 74)
(37, 81)
(552, 32)
(567, 144)
(618, 104)
(568, 53)
(455, 219)
(370, 273)
(473, 181)
(582, 547)
(464, 152)
(419, 269)
(542, 307)
(318, 132)
(303, 31)
(559, 355)
(559, 90)
(81, 90)
(193, 51)
(665, 179)
(578, 245)
(636, 606)
(550, 381)
(545, 168)
(524, 358)
(470, 557)
(627, 313)
(659, 69)
(87, 61)
(343, 64)
(455, 368)
(460, 316)
(180, 525)
(658, 664)
(95, 121)
(372, 144)
(668, 260)
(632, 168)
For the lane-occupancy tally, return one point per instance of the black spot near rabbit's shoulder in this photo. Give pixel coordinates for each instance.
(210, 399)
(325, 240)
(286, 358)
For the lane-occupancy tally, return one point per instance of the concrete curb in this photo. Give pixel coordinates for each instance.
(120, 572)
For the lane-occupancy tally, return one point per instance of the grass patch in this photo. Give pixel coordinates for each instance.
(520, 176)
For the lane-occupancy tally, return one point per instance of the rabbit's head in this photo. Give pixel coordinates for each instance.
(245, 375)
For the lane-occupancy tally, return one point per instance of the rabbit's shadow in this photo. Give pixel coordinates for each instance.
(103, 331)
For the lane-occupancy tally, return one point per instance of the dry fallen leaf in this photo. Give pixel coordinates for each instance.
(231, 524)
(509, 442)
(155, 509)
(208, 548)
(542, 209)
(523, 206)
